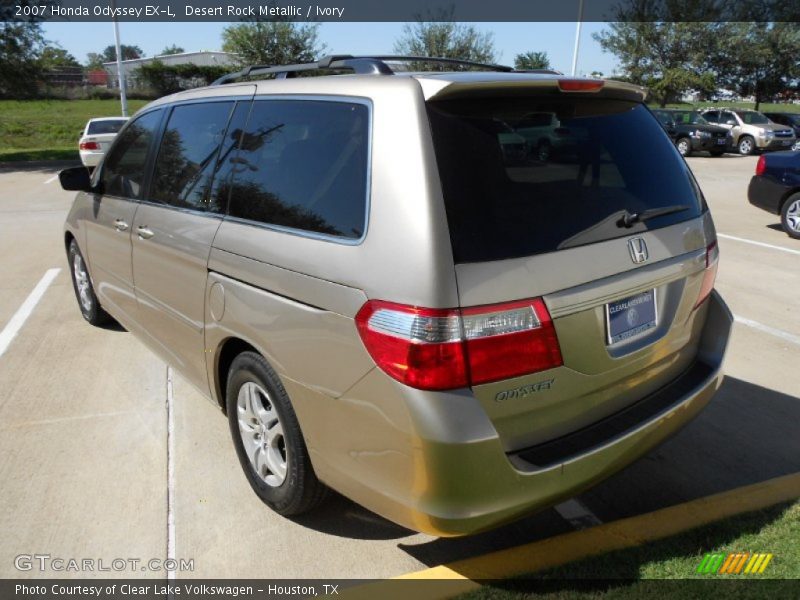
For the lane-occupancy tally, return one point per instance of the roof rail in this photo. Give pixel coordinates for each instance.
(361, 65)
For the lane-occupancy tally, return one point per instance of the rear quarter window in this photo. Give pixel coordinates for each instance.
(599, 157)
(303, 165)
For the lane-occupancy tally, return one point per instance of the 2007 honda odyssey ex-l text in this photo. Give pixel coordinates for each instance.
(388, 301)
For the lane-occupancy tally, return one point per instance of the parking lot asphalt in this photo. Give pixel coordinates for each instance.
(84, 452)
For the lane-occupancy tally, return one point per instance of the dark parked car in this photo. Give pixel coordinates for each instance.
(776, 188)
(790, 120)
(692, 133)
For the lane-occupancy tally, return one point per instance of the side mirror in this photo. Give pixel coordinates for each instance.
(75, 179)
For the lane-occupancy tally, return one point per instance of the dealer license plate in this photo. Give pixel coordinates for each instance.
(631, 316)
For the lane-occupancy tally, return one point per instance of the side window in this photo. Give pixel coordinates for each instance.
(711, 116)
(228, 158)
(303, 164)
(124, 167)
(728, 118)
(188, 154)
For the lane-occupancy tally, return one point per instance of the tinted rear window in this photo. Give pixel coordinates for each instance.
(515, 188)
(101, 127)
(302, 164)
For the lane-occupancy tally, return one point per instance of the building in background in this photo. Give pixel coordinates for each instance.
(129, 67)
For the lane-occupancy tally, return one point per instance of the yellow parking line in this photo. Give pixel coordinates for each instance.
(569, 547)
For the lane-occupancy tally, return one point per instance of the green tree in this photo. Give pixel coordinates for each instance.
(172, 50)
(94, 61)
(664, 56)
(530, 61)
(21, 45)
(444, 38)
(53, 57)
(272, 43)
(758, 59)
(128, 53)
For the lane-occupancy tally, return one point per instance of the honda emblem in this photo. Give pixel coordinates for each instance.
(638, 250)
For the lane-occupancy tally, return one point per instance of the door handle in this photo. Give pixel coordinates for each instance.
(120, 225)
(144, 232)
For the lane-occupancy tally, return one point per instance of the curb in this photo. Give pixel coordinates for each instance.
(464, 575)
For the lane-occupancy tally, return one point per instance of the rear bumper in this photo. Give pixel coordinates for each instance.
(91, 159)
(766, 193)
(461, 481)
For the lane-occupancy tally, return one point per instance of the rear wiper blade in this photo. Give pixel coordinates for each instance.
(630, 219)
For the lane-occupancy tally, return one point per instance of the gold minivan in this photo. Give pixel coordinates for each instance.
(392, 293)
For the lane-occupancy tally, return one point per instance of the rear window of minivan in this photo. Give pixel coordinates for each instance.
(597, 158)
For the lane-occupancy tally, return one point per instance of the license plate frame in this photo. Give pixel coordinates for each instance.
(637, 325)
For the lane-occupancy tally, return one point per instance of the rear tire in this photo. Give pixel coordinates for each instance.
(746, 145)
(790, 216)
(268, 439)
(88, 303)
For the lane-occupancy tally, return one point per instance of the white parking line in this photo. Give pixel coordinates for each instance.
(778, 333)
(170, 475)
(52, 179)
(577, 514)
(23, 312)
(754, 243)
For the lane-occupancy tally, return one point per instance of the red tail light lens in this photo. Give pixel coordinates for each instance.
(438, 349)
(420, 347)
(710, 274)
(580, 85)
(89, 146)
(508, 340)
(761, 165)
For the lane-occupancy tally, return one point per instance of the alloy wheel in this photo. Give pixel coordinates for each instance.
(261, 433)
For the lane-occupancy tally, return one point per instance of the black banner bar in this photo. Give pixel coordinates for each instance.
(401, 11)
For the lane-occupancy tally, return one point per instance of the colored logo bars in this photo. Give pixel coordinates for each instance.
(734, 563)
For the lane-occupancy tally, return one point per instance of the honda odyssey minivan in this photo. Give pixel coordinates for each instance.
(386, 302)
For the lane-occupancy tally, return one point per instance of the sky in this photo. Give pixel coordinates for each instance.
(510, 39)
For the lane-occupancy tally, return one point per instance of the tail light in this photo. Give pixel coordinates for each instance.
(761, 165)
(89, 146)
(710, 273)
(436, 349)
(580, 85)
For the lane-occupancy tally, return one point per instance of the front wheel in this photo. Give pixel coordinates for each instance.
(268, 439)
(84, 291)
(746, 145)
(684, 146)
(796, 146)
(790, 216)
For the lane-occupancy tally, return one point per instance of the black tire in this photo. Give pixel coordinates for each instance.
(790, 214)
(684, 146)
(299, 491)
(89, 305)
(717, 153)
(746, 145)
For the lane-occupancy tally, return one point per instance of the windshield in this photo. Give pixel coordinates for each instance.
(597, 157)
(100, 127)
(752, 117)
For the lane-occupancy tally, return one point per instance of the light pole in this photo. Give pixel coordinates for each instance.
(122, 97)
(577, 38)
